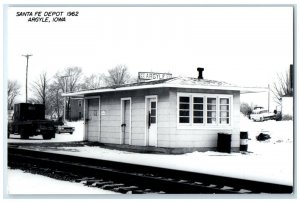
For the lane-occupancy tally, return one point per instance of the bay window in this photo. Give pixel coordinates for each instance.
(196, 109)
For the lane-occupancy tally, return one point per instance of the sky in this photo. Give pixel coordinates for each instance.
(246, 46)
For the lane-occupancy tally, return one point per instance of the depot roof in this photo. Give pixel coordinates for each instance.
(175, 82)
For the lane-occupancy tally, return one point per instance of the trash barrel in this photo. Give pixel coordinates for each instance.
(244, 141)
(224, 142)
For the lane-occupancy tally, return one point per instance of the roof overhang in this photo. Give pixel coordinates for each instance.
(247, 90)
(243, 90)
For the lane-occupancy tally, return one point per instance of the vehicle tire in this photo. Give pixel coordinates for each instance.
(24, 134)
(261, 119)
(47, 136)
(71, 133)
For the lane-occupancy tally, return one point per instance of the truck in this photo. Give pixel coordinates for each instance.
(28, 120)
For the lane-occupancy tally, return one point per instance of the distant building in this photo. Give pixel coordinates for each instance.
(179, 113)
(287, 104)
(76, 109)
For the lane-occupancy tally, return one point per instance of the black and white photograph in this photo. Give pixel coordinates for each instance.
(149, 100)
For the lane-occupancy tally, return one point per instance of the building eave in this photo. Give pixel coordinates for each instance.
(243, 90)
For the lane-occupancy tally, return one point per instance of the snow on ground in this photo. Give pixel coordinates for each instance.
(268, 161)
(27, 183)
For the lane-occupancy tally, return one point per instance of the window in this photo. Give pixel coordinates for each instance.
(184, 109)
(204, 109)
(79, 103)
(211, 110)
(153, 112)
(224, 111)
(198, 110)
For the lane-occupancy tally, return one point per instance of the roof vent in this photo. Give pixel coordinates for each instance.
(200, 70)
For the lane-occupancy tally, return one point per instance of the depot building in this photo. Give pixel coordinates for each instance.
(181, 114)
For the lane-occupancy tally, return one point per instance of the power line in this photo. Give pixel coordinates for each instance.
(27, 57)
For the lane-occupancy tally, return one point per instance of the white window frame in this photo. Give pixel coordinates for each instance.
(191, 124)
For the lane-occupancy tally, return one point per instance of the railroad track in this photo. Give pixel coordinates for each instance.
(133, 178)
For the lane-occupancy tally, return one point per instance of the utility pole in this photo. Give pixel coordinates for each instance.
(65, 76)
(27, 57)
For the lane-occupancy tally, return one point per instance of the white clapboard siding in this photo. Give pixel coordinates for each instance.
(168, 133)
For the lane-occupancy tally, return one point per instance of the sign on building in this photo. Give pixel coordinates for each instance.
(153, 76)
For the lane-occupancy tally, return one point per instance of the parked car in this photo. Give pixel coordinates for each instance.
(261, 114)
(64, 129)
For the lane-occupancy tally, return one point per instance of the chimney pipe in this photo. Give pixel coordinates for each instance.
(200, 70)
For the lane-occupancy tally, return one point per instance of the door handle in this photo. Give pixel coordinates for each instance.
(123, 125)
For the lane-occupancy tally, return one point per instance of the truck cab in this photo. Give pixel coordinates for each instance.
(29, 120)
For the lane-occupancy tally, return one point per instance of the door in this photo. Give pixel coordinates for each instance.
(152, 121)
(126, 121)
(92, 120)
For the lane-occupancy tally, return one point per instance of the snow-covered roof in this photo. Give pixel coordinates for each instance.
(175, 82)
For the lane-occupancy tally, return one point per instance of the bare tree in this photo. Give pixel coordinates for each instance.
(118, 75)
(13, 90)
(282, 87)
(69, 81)
(246, 109)
(41, 94)
(55, 100)
(93, 81)
(40, 88)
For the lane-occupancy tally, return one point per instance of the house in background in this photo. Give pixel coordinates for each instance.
(287, 101)
(287, 106)
(76, 109)
(179, 113)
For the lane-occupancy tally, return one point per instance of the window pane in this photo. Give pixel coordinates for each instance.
(153, 104)
(198, 113)
(211, 114)
(211, 100)
(184, 106)
(184, 99)
(224, 107)
(224, 120)
(184, 120)
(211, 120)
(198, 100)
(224, 101)
(211, 107)
(224, 114)
(184, 113)
(198, 106)
(153, 112)
(198, 120)
(153, 119)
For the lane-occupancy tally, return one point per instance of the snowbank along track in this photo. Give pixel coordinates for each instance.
(135, 179)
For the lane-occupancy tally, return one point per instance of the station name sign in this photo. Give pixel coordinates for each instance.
(153, 76)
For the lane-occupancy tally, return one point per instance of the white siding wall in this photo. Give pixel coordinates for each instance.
(168, 133)
(111, 121)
